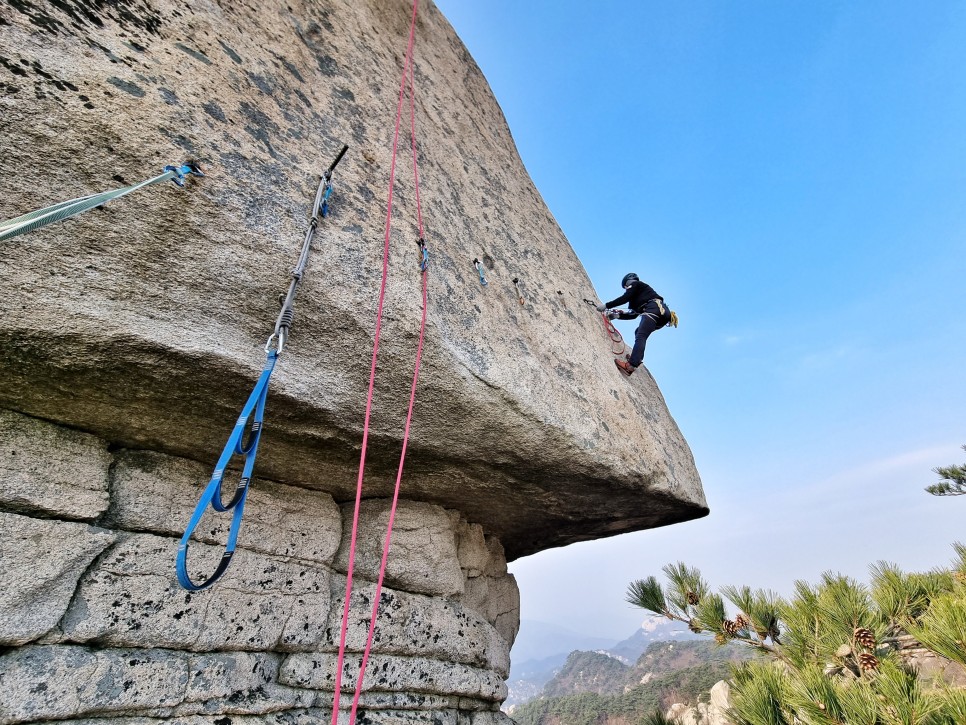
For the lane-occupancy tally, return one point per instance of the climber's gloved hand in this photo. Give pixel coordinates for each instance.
(602, 307)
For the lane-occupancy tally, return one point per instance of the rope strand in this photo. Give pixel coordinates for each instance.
(365, 431)
(409, 413)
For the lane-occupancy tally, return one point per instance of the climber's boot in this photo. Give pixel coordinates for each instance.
(625, 367)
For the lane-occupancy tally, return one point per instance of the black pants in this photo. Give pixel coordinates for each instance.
(654, 316)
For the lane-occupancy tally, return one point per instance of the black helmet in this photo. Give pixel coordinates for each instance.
(628, 278)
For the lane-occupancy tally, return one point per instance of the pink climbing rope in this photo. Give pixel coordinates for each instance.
(613, 334)
(407, 74)
(409, 416)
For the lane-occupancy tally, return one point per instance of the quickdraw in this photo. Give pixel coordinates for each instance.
(73, 207)
(255, 406)
(423, 255)
(479, 268)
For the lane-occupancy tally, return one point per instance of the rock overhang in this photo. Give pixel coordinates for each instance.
(143, 322)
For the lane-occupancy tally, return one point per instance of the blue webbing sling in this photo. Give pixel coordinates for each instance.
(253, 409)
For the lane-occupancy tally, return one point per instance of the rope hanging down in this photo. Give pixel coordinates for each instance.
(407, 75)
(236, 444)
(617, 346)
(66, 209)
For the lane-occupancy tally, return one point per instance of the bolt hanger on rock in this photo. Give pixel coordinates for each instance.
(516, 283)
(66, 209)
(254, 410)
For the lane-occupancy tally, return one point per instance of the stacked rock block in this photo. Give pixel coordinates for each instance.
(95, 628)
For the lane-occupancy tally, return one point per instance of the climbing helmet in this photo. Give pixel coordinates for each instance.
(628, 278)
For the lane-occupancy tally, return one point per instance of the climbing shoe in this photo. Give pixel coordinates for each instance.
(625, 367)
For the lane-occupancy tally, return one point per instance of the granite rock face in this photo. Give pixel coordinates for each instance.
(41, 562)
(713, 712)
(96, 626)
(143, 322)
(49, 469)
(131, 335)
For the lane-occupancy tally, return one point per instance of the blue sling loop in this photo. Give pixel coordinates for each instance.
(212, 495)
(254, 409)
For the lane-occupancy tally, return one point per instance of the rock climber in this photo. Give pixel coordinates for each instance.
(644, 301)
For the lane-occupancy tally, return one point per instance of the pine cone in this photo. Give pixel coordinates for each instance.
(720, 639)
(694, 628)
(730, 628)
(868, 662)
(864, 637)
(693, 599)
(742, 621)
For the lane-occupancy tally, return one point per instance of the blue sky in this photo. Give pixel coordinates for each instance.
(791, 176)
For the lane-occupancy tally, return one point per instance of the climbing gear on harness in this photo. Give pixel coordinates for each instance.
(66, 209)
(628, 278)
(424, 255)
(669, 316)
(479, 268)
(236, 444)
(516, 283)
(625, 367)
(407, 75)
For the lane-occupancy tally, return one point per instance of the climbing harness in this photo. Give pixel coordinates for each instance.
(66, 209)
(236, 444)
(407, 76)
(516, 283)
(479, 268)
(617, 345)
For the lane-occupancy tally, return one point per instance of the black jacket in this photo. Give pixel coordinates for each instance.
(638, 295)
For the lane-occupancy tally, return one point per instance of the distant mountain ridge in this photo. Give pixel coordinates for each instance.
(597, 684)
(542, 649)
(538, 641)
(606, 675)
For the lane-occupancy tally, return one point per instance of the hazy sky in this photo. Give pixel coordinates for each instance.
(791, 177)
